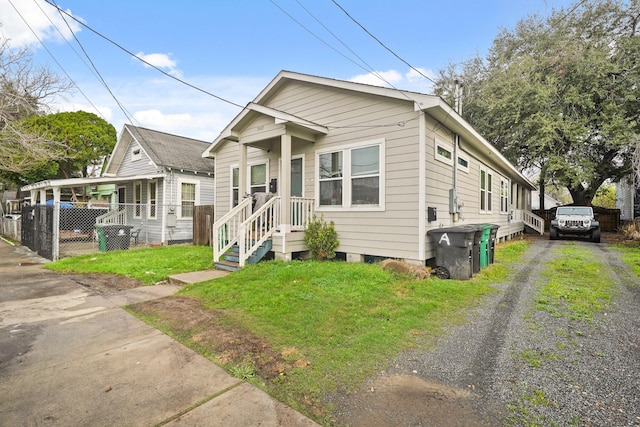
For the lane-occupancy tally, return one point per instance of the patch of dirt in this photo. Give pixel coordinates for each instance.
(232, 346)
(104, 283)
(409, 400)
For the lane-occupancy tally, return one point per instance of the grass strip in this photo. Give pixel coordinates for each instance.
(149, 265)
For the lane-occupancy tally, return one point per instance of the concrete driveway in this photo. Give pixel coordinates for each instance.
(72, 357)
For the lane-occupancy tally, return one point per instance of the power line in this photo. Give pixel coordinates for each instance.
(369, 70)
(104, 83)
(53, 57)
(382, 44)
(142, 60)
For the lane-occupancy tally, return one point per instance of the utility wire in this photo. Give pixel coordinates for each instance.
(400, 123)
(54, 58)
(102, 80)
(382, 44)
(141, 59)
(368, 70)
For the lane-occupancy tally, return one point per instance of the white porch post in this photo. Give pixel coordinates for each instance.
(285, 185)
(242, 173)
(43, 196)
(56, 224)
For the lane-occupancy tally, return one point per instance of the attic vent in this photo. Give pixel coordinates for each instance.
(135, 154)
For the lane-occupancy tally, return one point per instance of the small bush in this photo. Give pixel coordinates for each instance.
(321, 238)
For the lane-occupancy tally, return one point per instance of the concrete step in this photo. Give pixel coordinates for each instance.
(227, 265)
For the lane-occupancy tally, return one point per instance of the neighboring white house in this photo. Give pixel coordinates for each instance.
(157, 178)
(549, 202)
(627, 199)
(385, 165)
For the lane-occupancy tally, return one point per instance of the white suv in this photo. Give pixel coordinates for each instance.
(575, 220)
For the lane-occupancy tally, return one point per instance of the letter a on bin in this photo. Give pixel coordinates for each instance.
(445, 238)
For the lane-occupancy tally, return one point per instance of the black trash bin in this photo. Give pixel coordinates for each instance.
(492, 240)
(117, 236)
(454, 251)
(475, 259)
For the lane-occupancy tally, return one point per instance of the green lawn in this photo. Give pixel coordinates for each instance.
(149, 265)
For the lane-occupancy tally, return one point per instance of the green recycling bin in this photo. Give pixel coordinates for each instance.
(102, 239)
(485, 236)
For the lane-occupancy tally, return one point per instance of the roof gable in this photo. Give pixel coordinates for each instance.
(163, 149)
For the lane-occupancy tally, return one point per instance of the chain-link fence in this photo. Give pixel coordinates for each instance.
(91, 227)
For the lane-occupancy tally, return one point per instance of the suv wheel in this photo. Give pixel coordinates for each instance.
(595, 236)
(553, 233)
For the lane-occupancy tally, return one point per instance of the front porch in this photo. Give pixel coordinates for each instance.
(244, 231)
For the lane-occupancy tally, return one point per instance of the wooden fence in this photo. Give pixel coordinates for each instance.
(609, 218)
(203, 219)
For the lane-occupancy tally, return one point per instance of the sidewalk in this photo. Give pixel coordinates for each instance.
(71, 357)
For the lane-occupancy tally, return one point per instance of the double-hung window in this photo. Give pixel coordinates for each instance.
(152, 198)
(486, 183)
(235, 186)
(188, 198)
(137, 199)
(352, 177)
(504, 195)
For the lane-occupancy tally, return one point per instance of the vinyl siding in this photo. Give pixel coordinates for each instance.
(130, 167)
(354, 118)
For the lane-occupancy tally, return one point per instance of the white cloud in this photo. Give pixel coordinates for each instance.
(45, 23)
(411, 80)
(160, 60)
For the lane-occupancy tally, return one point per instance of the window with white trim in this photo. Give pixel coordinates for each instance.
(486, 183)
(188, 198)
(136, 154)
(258, 178)
(463, 163)
(504, 195)
(235, 186)
(443, 152)
(152, 199)
(352, 177)
(137, 199)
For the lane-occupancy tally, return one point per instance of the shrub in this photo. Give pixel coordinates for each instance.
(321, 238)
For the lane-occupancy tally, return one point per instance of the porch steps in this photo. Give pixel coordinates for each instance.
(231, 260)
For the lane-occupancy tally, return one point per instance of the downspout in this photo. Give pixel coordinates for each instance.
(454, 196)
(422, 185)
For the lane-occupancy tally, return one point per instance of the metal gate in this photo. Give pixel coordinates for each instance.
(37, 230)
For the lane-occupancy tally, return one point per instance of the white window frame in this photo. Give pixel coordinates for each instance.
(231, 187)
(462, 167)
(196, 202)
(137, 199)
(447, 147)
(505, 187)
(486, 194)
(152, 201)
(266, 175)
(136, 154)
(347, 178)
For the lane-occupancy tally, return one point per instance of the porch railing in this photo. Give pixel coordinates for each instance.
(226, 231)
(118, 216)
(301, 212)
(530, 219)
(258, 228)
(250, 230)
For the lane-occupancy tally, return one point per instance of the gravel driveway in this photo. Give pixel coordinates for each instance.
(588, 372)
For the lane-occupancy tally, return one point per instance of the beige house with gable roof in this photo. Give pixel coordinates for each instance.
(385, 165)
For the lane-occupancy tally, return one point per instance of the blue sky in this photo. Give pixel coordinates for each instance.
(233, 48)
